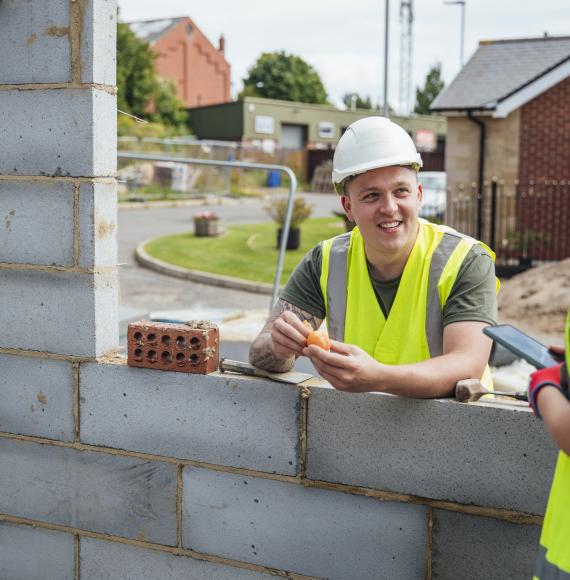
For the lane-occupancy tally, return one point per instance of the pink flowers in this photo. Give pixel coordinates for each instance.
(206, 216)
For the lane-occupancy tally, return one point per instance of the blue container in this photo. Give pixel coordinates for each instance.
(273, 178)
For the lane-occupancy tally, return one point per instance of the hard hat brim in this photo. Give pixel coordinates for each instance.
(340, 177)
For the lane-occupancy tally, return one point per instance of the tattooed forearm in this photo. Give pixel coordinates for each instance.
(261, 353)
(261, 356)
(283, 306)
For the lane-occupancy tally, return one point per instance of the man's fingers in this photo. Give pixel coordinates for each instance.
(283, 327)
(281, 341)
(558, 351)
(341, 347)
(326, 371)
(336, 377)
(331, 359)
(294, 321)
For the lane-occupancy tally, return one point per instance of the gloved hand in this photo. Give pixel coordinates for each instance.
(555, 376)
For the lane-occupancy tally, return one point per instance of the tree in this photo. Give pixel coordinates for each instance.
(277, 75)
(432, 87)
(168, 108)
(359, 102)
(139, 91)
(136, 79)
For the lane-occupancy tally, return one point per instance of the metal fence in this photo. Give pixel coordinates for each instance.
(522, 222)
(208, 179)
(287, 171)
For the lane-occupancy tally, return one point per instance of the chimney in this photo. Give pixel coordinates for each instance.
(222, 47)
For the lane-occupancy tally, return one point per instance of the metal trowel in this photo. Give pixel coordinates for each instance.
(291, 377)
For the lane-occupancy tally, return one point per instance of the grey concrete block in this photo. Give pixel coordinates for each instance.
(36, 397)
(473, 454)
(98, 41)
(105, 560)
(58, 132)
(98, 225)
(33, 554)
(59, 312)
(216, 418)
(475, 548)
(37, 223)
(34, 42)
(309, 531)
(89, 490)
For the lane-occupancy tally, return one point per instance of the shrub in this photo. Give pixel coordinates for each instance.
(278, 210)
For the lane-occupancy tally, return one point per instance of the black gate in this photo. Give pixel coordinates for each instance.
(522, 223)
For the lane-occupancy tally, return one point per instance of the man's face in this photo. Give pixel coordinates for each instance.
(385, 204)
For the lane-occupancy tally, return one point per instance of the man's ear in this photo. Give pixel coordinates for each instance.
(346, 206)
(420, 192)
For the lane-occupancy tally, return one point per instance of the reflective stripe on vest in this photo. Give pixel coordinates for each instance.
(553, 562)
(545, 570)
(434, 325)
(336, 285)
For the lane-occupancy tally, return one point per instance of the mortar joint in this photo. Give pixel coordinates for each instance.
(305, 392)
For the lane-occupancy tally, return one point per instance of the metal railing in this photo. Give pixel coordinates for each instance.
(521, 222)
(238, 165)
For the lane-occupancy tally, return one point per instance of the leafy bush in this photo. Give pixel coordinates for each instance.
(278, 210)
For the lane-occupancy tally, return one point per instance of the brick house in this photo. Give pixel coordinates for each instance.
(200, 72)
(508, 113)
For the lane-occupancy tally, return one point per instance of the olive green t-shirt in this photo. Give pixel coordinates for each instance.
(473, 296)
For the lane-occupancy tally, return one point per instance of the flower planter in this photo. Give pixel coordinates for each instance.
(206, 227)
(293, 240)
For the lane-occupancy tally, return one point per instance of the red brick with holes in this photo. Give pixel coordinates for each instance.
(185, 348)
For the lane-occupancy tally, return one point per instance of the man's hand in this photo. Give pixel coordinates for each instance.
(557, 351)
(555, 376)
(465, 354)
(288, 335)
(346, 367)
(282, 338)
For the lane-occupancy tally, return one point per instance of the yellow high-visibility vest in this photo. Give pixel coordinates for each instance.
(413, 331)
(554, 555)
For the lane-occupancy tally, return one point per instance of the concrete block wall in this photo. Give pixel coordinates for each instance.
(113, 472)
(58, 250)
(223, 476)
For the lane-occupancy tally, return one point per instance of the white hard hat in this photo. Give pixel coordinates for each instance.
(371, 143)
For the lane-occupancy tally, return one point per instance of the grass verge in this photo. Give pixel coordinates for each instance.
(244, 251)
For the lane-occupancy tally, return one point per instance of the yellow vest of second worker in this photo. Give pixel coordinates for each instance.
(413, 331)
(554, 557)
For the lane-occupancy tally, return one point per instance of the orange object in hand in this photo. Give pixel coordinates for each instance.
(318, 337)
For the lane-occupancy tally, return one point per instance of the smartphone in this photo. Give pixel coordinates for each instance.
(522, 345)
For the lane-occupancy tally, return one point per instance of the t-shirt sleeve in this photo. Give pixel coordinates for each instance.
(303, 289)
(473, 296)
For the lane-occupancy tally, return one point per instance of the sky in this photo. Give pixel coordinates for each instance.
(344, 40)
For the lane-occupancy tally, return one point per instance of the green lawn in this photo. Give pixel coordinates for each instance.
(244, 251)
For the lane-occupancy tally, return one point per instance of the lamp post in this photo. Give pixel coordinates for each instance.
(385, 108)
(462, 40)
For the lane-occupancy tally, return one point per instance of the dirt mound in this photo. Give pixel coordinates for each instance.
(537, 301)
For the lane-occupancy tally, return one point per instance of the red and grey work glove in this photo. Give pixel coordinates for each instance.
(555, 376)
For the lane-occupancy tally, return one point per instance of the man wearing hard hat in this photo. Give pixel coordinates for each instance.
(405, 300)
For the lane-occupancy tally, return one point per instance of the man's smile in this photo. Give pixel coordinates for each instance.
(390, 226)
